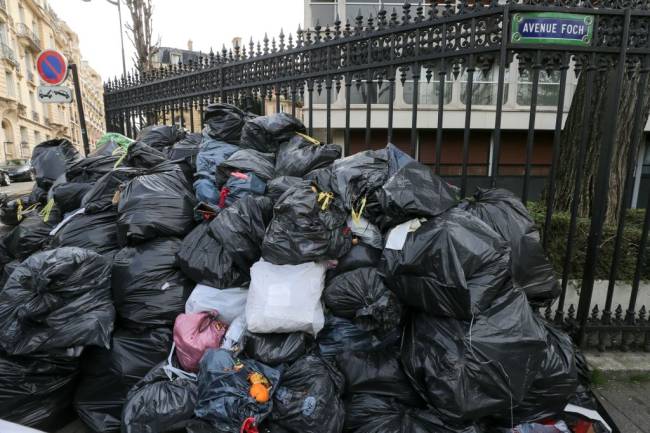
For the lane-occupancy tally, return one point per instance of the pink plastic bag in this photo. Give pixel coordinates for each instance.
(194, 334)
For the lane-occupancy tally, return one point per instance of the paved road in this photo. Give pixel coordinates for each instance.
(17, 188)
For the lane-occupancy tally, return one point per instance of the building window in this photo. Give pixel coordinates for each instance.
(24, 138)
(360, 94)
(484, 87)
(323, 12)
(10, 84)
(548, 89)
(175, 58)
(428, 91)
(37, 137)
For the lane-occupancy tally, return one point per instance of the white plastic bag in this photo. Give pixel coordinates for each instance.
(235, 334)
(285, 298)
(230, 303)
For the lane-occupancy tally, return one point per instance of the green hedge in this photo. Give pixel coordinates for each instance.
(558, 236)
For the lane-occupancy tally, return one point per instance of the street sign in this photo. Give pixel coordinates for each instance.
(555, 28)
(54, 94)
(52, 67)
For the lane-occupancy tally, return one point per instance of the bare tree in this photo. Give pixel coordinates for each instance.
(140, 31)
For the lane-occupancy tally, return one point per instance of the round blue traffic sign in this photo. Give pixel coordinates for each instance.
(52, 67)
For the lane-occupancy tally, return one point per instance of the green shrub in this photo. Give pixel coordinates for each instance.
(558, 236)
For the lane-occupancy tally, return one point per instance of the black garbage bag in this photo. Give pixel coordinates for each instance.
(224, 122)
(240, 229)
(149, 290)
(240, 185)
(162, 401)
(104, 195)
(307, 226)
(186, 149)
(278, 186)
(342, 335)
(507, 215)
(57, 299)
(141, 155)
(51, 159)
(370, 413)
(246, 161)
(159, 202)
(211, 154)
(555, 383)
(474, 369)
(38, 195)
(359, 256)
(379, 373)
(160, 137)
(31, 235)
(309, 397)
(275, 349)
(7, 270)
(413, 192)
(452, 266)
(13, 211)
(362, 296)
(204, 260)
(224, 390)
(67, 196)
(91, 168)
(322, 178)
(107, 375)
(300, 155)
(37, 390)
(95, 232)
(265, 133)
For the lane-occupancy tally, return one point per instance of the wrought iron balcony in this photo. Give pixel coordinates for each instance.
(3, 7)
(8, 54)
(29, 36)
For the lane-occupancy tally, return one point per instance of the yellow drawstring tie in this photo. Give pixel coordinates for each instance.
(312, 140)
(21, 211)
(119, 151)
(45, 212)
(356, 216)
(326, 198)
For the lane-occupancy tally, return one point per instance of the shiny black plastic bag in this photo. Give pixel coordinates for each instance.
(278, 186)
(379, 373)
(240, 229)
(186, 149)
(141, 155)
(91, 168)
(470, 370)
(160, 136)
(321, 177)
(555, 383)
(309, 397)
(368, 413)
(299, 156)
(359, 256)
(224, 122)
(413, 192)
(453, 265)
(57, 299)
(51, 159)
(149, 289)
(95, 232)
(306, 226)
(7, 269)
(11, 211)
(507, 215)
(362, 296)
(67, 196)
(265, 133)
(161, 402)
(103, 194)
(342, 335)
(108, 374)
(224, 398)
(37, 391)
(31, 235)
(275, 349)
(159, 202)
(204, 259)
(246, 161)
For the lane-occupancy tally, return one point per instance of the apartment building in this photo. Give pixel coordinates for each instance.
(92, 91)
(517, 98)
(26, 28)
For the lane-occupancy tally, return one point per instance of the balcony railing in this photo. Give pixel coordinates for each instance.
(8, 54)
(3, 6)
(35, 116)
(25, 32)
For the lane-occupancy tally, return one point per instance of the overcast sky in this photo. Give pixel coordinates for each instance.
(209, 23)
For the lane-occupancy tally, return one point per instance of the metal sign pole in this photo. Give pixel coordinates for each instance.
(80, 108)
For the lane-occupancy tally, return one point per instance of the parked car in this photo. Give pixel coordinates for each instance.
(19, 169)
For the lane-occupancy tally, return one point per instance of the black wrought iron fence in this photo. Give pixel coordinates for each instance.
(530, 67)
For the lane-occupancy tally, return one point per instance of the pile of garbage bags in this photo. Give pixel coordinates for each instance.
(251, 279)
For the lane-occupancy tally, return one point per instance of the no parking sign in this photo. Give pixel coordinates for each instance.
(52, 67)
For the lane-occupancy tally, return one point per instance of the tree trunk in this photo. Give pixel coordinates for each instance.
(140, 32)
(572, 133)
